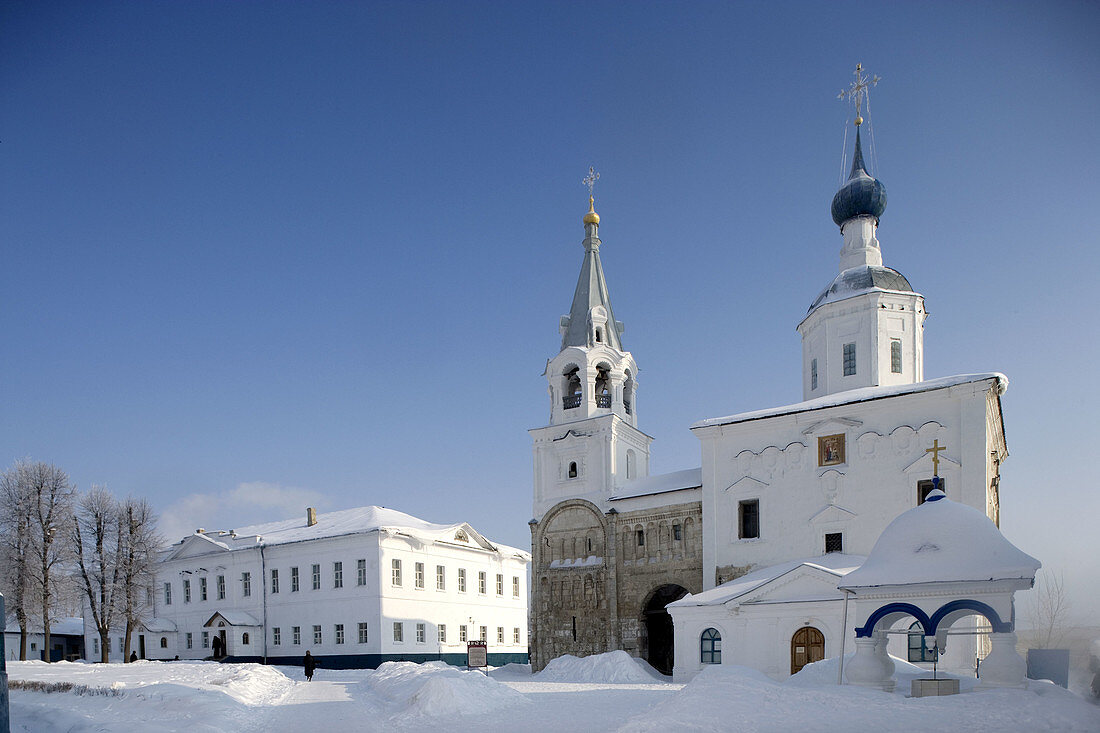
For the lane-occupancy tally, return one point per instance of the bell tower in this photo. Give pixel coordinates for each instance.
(592, 444)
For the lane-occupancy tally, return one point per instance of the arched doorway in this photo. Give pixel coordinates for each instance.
(807, 645)
(655, 639)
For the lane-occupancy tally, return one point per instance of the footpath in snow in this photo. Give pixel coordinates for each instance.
(606, 692)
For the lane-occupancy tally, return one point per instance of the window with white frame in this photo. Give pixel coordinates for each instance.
(443, 633)
(849, 359)
(221, 587)
(419, 574)
(168, 594)
(296, 635)
(484, 633)
(481, 582)
(363, 632)
(361, 572)
(317, 635)
(276, 636)
(316, 576)
(440, 577)
(189, 639)
(395, 566)
(206, 640)
(420, 633)
(462, 633)
(462, 580)
(515, 586)
(337, 574)
(95, 647)
(202, 589)
(398, 631)
(186, 590)
(500, 584)
(500, 635)
(515, 635)
(246, 584)
(338, 632)
(274, 580)
(710, 647)
(294, 580)
(895, 356)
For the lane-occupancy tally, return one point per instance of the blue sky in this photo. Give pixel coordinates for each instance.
(262, 255)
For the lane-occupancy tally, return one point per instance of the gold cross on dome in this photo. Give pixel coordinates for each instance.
(858, 90)
(590, 179)
(935, 451)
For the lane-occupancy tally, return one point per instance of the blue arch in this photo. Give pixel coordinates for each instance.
(999, 626)
(868, 628)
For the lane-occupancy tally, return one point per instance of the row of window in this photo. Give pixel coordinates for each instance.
(396, 579)
(338, 581)
(849, 363)
(421, 630)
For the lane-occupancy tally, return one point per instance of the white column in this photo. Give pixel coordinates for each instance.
(1004, 667)
(865, 669)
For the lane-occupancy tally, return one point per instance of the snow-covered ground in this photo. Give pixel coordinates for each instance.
(607, 692)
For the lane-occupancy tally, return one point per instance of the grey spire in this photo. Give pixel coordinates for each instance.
(591, 320)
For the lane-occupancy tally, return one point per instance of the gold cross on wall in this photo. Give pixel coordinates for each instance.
(935, 451)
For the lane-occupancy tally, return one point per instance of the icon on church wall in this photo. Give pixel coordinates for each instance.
(830, 450)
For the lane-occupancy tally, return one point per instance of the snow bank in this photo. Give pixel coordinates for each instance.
(617, 666)
(437, 689)
(821, 673)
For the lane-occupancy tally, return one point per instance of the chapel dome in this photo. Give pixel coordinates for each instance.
(941, 541)
(856, 280)
(861, 194)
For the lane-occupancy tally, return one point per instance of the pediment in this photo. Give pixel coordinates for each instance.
(832, 425)
(571, 436)
(196, 545)
(746, 482)
(832, 513)
(804, 583)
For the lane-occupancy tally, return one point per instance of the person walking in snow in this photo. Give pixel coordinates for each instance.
(310, 663)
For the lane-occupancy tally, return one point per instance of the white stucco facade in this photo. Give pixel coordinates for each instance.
(356, 588)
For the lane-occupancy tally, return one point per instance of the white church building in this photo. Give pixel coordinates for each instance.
(747, 551)
(355, 588)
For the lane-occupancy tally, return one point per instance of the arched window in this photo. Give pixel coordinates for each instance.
(571, 387)
(163, 642)
(710, 647)
(244, 639)
(918, 645)
(573, 469)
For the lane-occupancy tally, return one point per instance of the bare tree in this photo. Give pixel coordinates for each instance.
(97, 539)
(15, 544)
(137, 555)
(49, 497)
(1049, 609)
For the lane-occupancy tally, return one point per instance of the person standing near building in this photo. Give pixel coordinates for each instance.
(310, 663)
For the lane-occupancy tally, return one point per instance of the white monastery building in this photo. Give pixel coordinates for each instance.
(355, 588)
(747, 551)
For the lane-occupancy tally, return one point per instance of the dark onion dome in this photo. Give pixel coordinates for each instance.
(856, 280)
(861, 195)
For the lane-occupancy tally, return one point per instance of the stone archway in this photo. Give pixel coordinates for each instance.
(656, 631)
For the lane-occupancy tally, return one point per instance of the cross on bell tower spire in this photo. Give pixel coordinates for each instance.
(859, 90)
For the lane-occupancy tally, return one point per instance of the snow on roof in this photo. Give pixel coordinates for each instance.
(234, 618)
(834, 563)
(159, 625)
(863, 394)
(70, 626)
(941, 541)
(360, 520)
(691, 478)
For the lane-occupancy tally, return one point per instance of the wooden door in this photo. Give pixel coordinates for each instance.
(807, 645)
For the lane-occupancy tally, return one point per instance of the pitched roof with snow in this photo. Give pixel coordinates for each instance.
(863, 394)
(234, 618)
(360, 520)
(941, 541)
(834, 563)
(691, 478)
(70, 626)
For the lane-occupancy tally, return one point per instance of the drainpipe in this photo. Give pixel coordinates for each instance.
(843, 636)
(263, 595)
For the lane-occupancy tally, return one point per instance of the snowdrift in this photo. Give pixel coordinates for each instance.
(614, 667)
(437, 689)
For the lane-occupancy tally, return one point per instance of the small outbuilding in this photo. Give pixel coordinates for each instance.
(938, 563)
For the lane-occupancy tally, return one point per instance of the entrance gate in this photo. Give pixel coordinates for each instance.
(655, 644)
(807, 645)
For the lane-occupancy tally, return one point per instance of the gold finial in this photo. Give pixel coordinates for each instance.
(935, 451)
(590, 180)
(859, 91)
